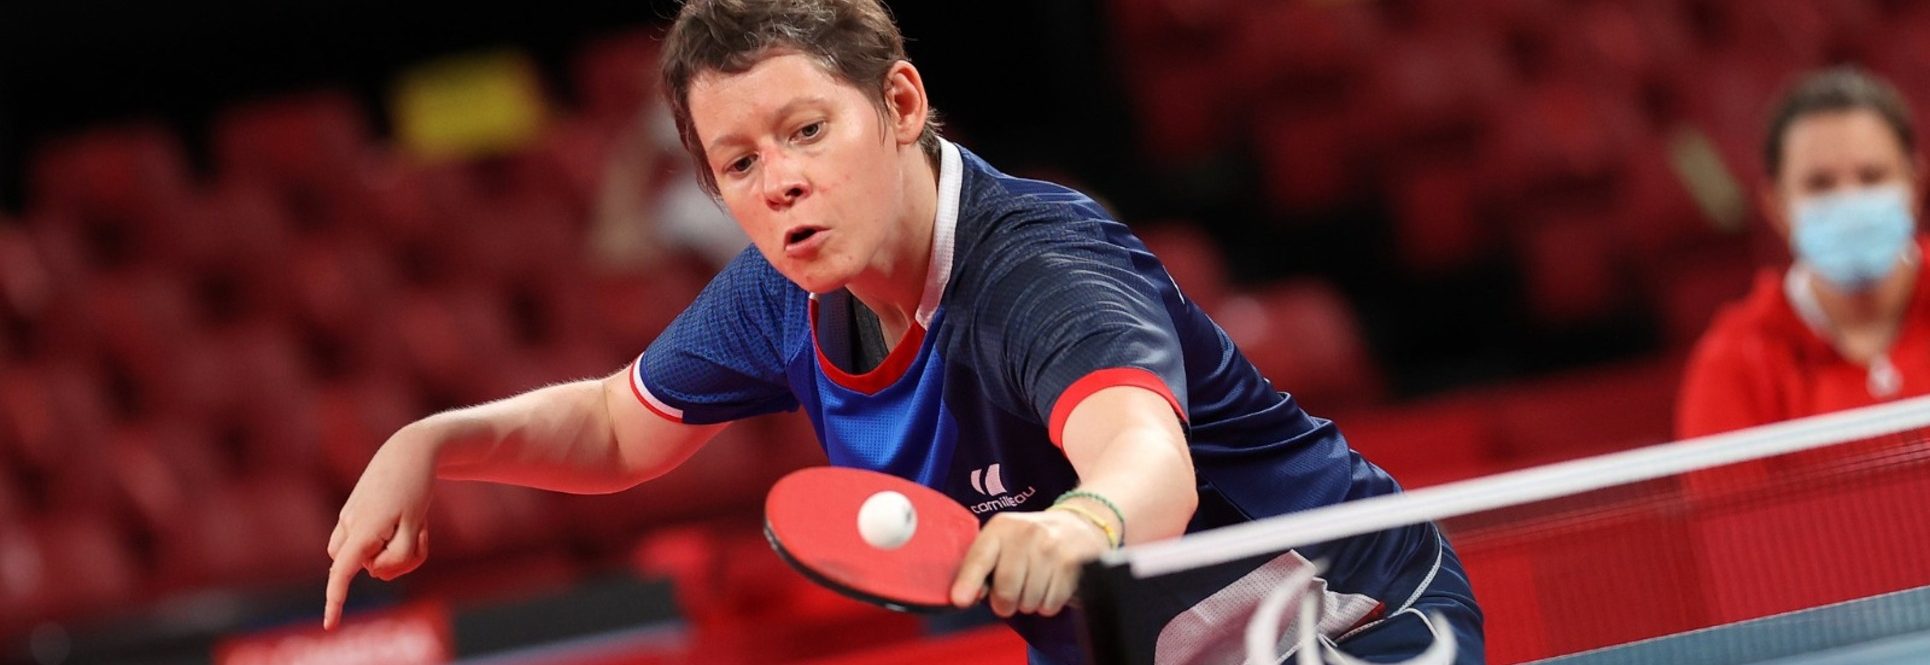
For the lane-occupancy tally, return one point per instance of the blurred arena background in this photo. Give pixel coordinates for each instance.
(240, 245)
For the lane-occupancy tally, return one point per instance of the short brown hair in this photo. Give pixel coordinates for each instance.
(1843, 88)
(853, 40)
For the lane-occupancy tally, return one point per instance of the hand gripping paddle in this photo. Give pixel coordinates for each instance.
(811, 519)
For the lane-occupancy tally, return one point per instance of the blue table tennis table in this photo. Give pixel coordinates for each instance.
(1879, 630)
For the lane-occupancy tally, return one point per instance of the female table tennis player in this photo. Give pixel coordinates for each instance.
(1002, 340)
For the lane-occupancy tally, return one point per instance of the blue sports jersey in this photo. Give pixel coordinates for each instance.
(1036, 298)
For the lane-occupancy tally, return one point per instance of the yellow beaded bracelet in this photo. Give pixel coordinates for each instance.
(1078, 493)
(1112, 535)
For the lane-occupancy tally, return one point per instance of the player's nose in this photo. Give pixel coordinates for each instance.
(784, 183)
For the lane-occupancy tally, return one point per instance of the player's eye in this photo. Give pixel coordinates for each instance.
(739, 166)
(811, 131)
(1819, 182)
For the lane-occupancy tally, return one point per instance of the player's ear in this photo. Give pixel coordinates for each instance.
(905, 105)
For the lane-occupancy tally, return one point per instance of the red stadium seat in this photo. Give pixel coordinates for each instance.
(403, 203)
(127, 186)
(57, 415)
(1330, 45)
(359, 413)
(24, 596)
(28, 285)
(511, 239)
(1573, 270)
(1435, 87)
(240, 232)
(291, 518)
(1658, 212)
(473, 519)
(1156, 27)
(725, 478)
(140, 317)
(1305, 339)
(616, 76)
(1439, 225)
(450, 336)
(1429, 443)
(336, 279)
(746, 606)
(630, 309)
(1191, 257)
(193, 384)
(161, 464)
(1726, 94)
(313, 148)
(1614, 47)
(13, 500)
(1798, 28)
(1179, 110)
(211, 543)
(1693, 284)
(274, 413)
(272, 527)
(1558, 141)
(1308, 162)
(75, 564)
(59, 254)
(1903, 56)
(1588, 412)
(573, 156)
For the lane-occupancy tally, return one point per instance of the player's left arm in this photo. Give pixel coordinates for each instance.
(1087, 343)
(1127, 445)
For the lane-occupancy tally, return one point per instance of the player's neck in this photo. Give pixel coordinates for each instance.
(895, 282)
(1879, 307)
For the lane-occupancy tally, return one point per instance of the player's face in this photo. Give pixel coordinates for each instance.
(1828, 153)
(806, 164)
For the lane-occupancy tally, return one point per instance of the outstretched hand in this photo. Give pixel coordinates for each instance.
(383, 527)
(1032, 560)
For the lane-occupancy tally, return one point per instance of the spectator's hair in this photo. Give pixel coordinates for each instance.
(854, 41)
(1844, 88)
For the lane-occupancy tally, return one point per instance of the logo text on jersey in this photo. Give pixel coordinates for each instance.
(988, 481)
(1003, 502)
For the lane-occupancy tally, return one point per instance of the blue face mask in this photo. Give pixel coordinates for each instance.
(1854, 238)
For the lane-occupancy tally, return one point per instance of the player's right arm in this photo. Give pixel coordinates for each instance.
(589, 436)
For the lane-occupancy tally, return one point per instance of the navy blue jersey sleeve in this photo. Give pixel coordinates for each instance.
(1062, 315)
(724, 357)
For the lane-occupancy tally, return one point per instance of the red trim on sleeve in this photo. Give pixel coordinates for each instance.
(636, 388)
(1100, 380)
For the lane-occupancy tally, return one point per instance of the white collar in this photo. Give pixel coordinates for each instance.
(944, 234)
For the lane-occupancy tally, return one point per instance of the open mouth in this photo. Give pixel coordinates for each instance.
(799, 235)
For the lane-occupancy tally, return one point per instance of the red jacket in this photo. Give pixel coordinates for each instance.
(1760, 364)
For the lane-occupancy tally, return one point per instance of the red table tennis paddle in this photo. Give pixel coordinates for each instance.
(811, 519)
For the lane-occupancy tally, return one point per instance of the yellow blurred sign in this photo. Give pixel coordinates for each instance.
(468, 105)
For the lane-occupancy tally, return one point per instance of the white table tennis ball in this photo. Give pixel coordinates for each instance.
(887, 520)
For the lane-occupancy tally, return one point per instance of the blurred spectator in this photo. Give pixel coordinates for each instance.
(649, 203)
(1847, 324)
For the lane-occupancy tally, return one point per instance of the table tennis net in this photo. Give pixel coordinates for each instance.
(1590, 553)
